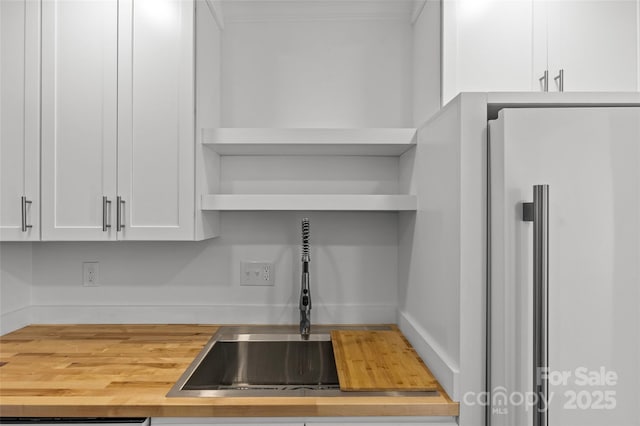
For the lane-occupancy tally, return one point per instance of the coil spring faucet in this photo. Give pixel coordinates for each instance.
(305, 293)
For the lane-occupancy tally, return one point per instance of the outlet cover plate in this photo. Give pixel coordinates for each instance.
(90, 274)
(256, 273)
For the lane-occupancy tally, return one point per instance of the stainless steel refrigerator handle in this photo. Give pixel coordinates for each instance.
(119, 215)
(545, 81)
(538, 212)
(560, 80)
(106, 208)
(24, 202)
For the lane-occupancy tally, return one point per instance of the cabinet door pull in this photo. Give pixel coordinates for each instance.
(119, 214)
(106, 209)
(559, 79)
(24, 203)
(545, 81)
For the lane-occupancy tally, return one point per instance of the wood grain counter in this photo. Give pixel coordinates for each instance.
(379, 360)
(126, 371)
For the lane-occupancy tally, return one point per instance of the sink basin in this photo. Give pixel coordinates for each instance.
(267, 361)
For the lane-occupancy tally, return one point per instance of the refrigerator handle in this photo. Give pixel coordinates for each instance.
(538, 213)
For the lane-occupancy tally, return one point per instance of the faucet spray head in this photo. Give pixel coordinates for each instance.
(305, 240)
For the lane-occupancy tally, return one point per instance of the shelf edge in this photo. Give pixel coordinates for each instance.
(306, 202)
(255, 141)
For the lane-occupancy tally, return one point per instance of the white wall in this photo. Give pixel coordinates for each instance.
(429, 246)
(426, 61)
(353, 274)
(442, 268)
(15, 285)
(308, 175)
(295, 68)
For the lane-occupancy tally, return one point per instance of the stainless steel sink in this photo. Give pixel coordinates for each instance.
(266, 361)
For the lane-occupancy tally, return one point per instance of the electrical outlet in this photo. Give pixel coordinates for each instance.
(256, 273)
(90, 274)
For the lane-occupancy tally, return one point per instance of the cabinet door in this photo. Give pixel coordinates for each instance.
(156, 129)
(79, 117)
(487, 46)
(595, 42)
(19, 120)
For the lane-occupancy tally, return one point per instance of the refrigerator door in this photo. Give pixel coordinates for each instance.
(590, 158)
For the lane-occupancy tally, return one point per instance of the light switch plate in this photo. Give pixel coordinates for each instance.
(256, 273)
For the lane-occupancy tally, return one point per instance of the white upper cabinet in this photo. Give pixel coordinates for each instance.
(486, 46)
(507, 45)
(117, 114)
(595, 43)
(156, 119)
(79, 118)
(19, 121)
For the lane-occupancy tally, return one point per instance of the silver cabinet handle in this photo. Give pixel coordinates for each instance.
(24, 202)
(106, 209)
(559, 79)
(545, 81)
(538, 212)
(119, 214)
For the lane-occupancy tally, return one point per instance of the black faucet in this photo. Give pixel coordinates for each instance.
(305, 293)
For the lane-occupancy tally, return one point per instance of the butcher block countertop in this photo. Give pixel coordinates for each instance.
(371, 360)
(126, 371)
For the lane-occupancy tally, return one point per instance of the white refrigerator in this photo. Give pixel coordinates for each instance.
(564, 279)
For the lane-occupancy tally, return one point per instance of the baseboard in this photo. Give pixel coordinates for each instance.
(11, 321)
(444, 368)
(210, 314)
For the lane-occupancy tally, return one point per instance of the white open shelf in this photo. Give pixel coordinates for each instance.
(310, 202)
(256, 141)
